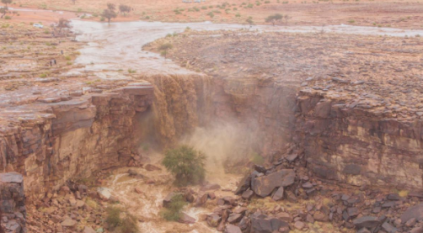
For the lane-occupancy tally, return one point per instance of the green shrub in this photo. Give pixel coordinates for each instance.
(131, 71)
(129, 225)
(113, 216)
(257, 159)
(7, 17)
(186, 164)
(173, 210)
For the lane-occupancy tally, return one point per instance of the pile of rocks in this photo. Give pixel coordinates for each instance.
(12, 208)
(72, 208)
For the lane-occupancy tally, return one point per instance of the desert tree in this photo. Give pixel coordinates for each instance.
(63, 23)
(124, 9)
(5, 2)
(164, 48)
(186, 164)
(74, 1)
(109, 13)
(250, 21)
(3, 11)
(274, 18)
(111, 6)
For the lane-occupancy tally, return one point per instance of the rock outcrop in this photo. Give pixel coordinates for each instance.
(52, 142)
(12, 198)
(358, 146)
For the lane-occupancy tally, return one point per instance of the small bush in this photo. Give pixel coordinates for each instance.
(257, 159)
(186, 164)
(128, 224)
(7, 17)
(173, 210)
(131, 71)
(113, 216)
(68, 58)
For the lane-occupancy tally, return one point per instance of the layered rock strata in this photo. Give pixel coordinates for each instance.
(50, 143)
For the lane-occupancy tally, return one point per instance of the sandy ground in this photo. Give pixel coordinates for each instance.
(402, 14)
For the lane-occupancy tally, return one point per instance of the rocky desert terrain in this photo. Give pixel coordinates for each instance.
(375, 13)
(311, 125)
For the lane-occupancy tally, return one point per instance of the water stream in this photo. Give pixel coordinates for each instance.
(119, 45)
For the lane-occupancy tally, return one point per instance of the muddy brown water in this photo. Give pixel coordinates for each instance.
(119, 45)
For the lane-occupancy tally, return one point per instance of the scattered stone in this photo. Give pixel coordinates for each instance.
(233, 218)
(68, 222)
(104, 193)
(185, 218)
(413, 212)
(278, 195)
(264, 224)
(232, 229)
(264, 185)
(389, 228)
(299, 225)
(366, 221)
(247, 194)
(213, 220)
(89, 230)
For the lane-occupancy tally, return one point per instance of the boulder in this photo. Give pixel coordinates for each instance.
(413, 212)
(247, 194)
(265, 224)
(299, 225)
(366, 221)
(201, 199)
(233, 218)
(244, 184)
(185, 218)
(11, 177)
(104, 193)
(389, 228)
(213, 220)
(263, 186)
(232, 229)
(278, 195)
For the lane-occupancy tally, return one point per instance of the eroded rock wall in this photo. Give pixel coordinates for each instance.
(50, 143)
(353, 145)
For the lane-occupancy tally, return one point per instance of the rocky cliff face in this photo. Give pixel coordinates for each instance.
(12, 208)
(49, 143)
(355, 145)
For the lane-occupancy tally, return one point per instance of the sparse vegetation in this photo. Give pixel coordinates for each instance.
(186, 164)
(124, 9)
(109, 13)
(173, 210)
(274, 18)
(250, 21)
(164, 48)
(127, 224)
